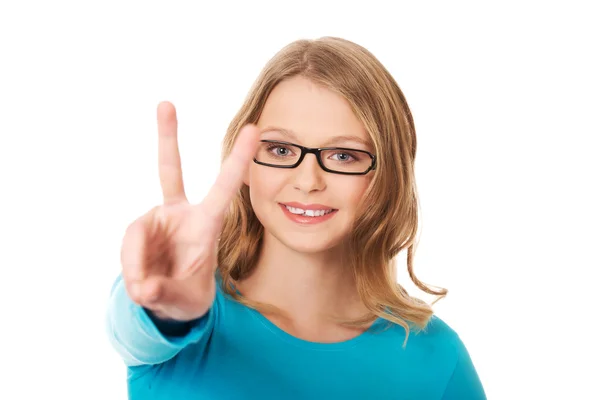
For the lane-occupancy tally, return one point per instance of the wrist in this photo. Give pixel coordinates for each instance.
(168, 326)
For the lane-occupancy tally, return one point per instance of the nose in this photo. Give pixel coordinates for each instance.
(308, 176)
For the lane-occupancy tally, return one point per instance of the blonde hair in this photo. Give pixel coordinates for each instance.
(387, 219)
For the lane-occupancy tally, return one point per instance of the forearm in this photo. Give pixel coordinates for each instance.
(141, 338)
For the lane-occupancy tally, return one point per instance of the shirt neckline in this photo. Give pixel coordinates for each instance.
(306, 344)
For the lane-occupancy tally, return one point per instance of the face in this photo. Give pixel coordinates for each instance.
(300, 112)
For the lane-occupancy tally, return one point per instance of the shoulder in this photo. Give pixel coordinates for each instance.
(450, 351)
(438, 329)
(434, 356)
(441, 339)
(437, 341)
(435, 348)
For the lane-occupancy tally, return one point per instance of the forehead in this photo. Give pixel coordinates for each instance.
(313, 113)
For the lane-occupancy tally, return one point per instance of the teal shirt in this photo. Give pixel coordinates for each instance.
(234, 352)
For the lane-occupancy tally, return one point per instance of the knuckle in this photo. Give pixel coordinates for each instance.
(154, 292)
(133, 291)
(132, 230)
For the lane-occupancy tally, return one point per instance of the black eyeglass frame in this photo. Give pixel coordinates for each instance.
(317, 153)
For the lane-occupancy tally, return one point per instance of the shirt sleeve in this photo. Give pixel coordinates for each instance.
(134, 333)
(464, 383)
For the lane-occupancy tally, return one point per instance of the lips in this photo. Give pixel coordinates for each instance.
(310, 216)
(313, 207)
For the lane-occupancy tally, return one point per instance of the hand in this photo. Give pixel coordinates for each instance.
(169, 255)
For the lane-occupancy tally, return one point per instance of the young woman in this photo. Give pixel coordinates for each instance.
(281, 284)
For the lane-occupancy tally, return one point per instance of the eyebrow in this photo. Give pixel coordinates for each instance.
(342, 138)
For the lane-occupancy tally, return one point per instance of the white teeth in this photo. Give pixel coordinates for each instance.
(295, 210)
(308, 213)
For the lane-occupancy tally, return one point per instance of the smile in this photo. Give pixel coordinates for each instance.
(308, 215)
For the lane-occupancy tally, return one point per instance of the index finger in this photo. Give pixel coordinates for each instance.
(232, 172)
(169, 160)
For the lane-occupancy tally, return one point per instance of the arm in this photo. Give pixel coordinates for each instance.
(140, 338)
(464, 384)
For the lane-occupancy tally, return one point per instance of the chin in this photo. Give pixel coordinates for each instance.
(308, 243)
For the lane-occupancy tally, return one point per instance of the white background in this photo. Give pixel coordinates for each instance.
(505, 100)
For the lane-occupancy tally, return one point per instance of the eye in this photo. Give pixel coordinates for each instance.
(279, 150)
(344, 157)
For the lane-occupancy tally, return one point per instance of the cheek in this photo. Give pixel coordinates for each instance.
(352, 191)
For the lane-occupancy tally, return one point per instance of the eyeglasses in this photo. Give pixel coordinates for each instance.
(337, 160)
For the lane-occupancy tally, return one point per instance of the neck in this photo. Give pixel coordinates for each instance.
(307, 286)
